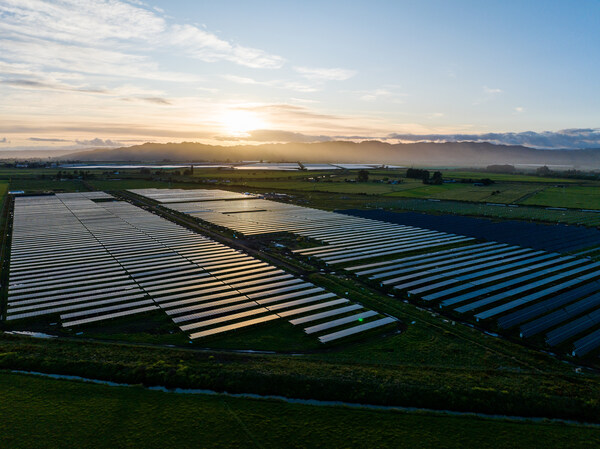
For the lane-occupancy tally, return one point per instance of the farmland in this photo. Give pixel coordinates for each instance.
(68, 413)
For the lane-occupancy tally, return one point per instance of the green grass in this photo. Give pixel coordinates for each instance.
(124, 184)
(368, 188)
(410, 188)
(3, 191)
(48, 413)
(461, 174)
(496, 193)
(432, 364)
(42, 185)
(584, 197)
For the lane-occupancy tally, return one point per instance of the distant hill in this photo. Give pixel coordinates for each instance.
(466, 154)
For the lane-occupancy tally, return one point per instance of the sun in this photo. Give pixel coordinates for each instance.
(238, 121)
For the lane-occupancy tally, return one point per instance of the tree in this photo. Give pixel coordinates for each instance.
(363, 176)
(416, 173)
(543, 171)
(437, 178)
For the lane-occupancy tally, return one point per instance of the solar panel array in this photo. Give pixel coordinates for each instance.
(348, 238)
(537, 290)
(558, 237)
(182, 195)
(93, 261)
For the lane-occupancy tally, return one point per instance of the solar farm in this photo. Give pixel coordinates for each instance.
(549, 298)
(241, 291)
(86, 258)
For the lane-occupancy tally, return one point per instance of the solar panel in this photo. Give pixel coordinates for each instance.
(110, 316)
(355, 330)
(560, 316)
(339, 322)
(321, 315)
(231, 327)
(298, 302)
(587, 343)
(231, 317)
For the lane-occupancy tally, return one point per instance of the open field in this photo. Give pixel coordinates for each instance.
(505, 193)
(42, 185)
(124, 184)
(584, 197)
(3, 190)
(431, 368)
(509, 177)
(68, 413)
(525, 189)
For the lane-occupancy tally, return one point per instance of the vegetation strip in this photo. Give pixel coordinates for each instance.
(313, 402)
(327, 377)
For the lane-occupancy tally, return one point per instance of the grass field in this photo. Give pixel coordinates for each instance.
(410, 188)
(124, 184)
(30, 185)
(498, 193)
(3, 191)
(525, 189)
(47, 413)
(334, 187)
(584, 197)
(510, 177)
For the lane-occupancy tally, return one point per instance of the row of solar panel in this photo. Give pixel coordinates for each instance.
(159, 264)
(489, 280)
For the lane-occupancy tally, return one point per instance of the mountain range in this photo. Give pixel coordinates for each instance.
(451, 154)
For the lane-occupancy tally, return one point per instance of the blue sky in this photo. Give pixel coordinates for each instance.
(91, 73)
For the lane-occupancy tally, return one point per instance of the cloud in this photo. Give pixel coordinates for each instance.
(32, 84)
(491, 90)
(279, 84)
(320, 74)
(489, 94)
(155, 100)
(144, 132)
(519, 109)
(580, 138)
(40, 139)
(292, 112)
(270, 135)
(375, 94)
(379, 94)
(98, 35)
(98, 143)
(206, 46)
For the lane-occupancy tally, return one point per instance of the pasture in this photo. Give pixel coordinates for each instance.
(68, 413)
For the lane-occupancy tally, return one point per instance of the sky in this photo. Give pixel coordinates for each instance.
(88, 74)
